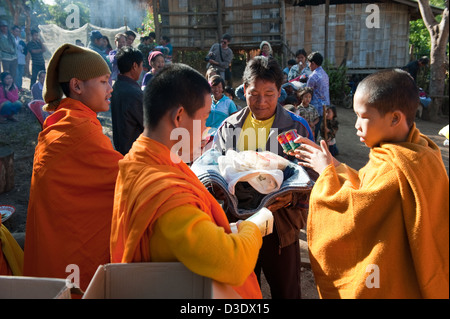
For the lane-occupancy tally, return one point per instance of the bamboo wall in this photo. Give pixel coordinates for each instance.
(348, 36)
(197, 24)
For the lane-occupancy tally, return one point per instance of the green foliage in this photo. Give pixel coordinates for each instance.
(58, 16)
(419, 36)
(338, 83)
(148, 25)
(195, 59)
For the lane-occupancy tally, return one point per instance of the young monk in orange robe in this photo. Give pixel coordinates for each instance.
(74, 172)
(162, 212)
(382, 232)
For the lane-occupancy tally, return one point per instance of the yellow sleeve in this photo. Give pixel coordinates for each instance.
(188, 235)
(12, 251)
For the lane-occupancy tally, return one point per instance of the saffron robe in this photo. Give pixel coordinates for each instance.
(163, 213)
(11, 254)
(71, 196)
(383, 232)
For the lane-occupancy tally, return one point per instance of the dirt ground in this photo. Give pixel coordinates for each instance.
(21, 137)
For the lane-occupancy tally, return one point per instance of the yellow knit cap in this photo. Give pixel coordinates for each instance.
(70, 61)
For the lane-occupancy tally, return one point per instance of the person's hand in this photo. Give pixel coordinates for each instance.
(280, 202)
(313, 156)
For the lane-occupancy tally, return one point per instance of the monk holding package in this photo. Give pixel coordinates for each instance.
(74, 172)
(162, 212)
(383, 231)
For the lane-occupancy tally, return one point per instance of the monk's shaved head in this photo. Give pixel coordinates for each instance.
(391, 90)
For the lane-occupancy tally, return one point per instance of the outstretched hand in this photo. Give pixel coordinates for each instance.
(313, 156)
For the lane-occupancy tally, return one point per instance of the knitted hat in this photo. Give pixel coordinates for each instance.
(70, 61)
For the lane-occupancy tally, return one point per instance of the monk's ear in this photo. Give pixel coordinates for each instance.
(75, 85)
(397, 118)
(177, 116)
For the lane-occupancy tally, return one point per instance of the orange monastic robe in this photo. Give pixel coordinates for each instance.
(71, 196)
(11, 254)
(162, 212)
(383, 232)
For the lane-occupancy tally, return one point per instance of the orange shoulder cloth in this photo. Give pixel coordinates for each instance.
(150, 184)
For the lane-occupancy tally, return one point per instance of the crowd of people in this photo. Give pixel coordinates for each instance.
(94, 202)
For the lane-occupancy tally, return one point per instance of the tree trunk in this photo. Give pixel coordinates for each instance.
(6, 169)
(439, 36)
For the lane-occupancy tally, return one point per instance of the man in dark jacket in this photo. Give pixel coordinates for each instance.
(279, 257)
(127, 100)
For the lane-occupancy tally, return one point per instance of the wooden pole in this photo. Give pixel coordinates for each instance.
(156, 20)
(327, 17)
(283, 31)
(324, 122)
(219, 19)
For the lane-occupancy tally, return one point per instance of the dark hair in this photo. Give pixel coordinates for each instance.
(227, 37)
(34, 31)
(230, 90)
(302, 92)
(129, 32)
(152, 34)
(291, 99)
(391, 90)
(15, 27)
(165, 38)
(264, 68)
(125, 58)
(291, 62)
(41, 72)
(333, 109)
(176, 85)
(216, 80)
(65, 87)
(316, 57)
(3, 75)
(302, 52)
(424, 60)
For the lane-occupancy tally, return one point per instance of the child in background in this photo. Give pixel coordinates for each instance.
(306, 110)
(36, 89)
(229, 92)
(9, 98)
(328, 133)
(211, 72)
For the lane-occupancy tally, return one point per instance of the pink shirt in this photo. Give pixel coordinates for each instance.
(11, 96)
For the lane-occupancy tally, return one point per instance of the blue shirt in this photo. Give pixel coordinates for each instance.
(220, 110)
(318, 80)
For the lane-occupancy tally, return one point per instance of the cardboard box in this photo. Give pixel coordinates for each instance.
(18, 287)
(154, 281)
